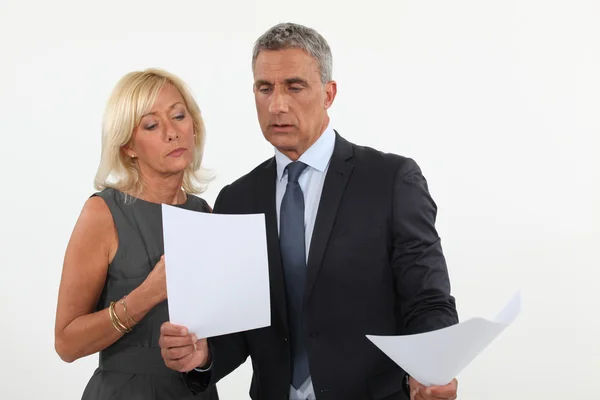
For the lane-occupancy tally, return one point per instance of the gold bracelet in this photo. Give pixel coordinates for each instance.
(125, 310)
(116, 321)
(126, 327)
(112, 317)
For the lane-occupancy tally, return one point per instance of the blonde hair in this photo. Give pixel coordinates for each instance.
(132, 97)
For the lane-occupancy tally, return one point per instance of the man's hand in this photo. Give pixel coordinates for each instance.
(181, 351)
(420, 392)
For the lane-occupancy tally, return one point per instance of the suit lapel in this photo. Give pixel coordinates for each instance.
(337, 177)
(265, 200)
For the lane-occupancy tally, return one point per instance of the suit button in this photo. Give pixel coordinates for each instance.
(285, 339)
(313, 335)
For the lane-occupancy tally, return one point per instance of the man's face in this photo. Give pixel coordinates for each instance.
(291, 100)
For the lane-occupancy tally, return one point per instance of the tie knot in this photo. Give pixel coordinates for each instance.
(294, 170)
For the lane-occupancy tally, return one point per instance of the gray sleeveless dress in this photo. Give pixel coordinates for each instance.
(132, 368)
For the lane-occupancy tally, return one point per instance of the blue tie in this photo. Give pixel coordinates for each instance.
(293, 253)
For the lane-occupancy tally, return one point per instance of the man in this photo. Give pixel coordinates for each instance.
(352, 248)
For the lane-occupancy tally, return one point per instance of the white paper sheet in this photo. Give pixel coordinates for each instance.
(217, 271)
(437, 357)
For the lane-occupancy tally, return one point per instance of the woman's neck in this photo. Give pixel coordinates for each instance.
(165, 190)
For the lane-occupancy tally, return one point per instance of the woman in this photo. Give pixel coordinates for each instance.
(112, 296)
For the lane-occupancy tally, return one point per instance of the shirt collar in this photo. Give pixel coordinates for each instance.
(316, 156)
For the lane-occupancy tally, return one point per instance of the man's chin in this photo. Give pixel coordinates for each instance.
(283, 142)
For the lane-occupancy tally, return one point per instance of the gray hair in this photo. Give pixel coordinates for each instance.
(289, 35)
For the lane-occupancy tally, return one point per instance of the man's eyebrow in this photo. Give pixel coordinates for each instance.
(261, 82)
(297, 79)
(288, 81)
(170, 108)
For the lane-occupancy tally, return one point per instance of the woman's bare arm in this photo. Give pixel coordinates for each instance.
(80, 330)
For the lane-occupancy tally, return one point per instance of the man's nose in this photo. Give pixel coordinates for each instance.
(278, 103)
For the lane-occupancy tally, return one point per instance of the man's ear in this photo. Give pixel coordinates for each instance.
(330, 93)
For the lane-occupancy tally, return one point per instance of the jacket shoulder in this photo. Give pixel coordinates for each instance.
(375, 158)
(237, 195)
(249, 179)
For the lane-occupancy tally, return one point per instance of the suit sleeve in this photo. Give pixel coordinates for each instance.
(420, 271)
(228, 351)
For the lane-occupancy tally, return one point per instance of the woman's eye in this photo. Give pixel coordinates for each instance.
(180, 116)
(151, 126)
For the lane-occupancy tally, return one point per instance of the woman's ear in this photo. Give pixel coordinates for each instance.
(128, 151)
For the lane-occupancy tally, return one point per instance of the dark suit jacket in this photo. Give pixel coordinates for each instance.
(375, 267)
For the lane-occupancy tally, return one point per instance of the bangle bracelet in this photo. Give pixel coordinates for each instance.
(111, 313)
(115, 319)
(125, 310)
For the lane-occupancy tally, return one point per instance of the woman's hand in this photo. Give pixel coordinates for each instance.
(155, 284)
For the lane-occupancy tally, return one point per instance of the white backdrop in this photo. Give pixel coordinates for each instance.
(498, 101)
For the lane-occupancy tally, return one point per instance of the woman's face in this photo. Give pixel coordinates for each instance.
(163, 143)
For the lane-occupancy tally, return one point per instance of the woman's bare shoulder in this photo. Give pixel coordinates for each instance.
(95, 225)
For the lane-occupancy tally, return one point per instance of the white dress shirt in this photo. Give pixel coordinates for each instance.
(311, 181)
